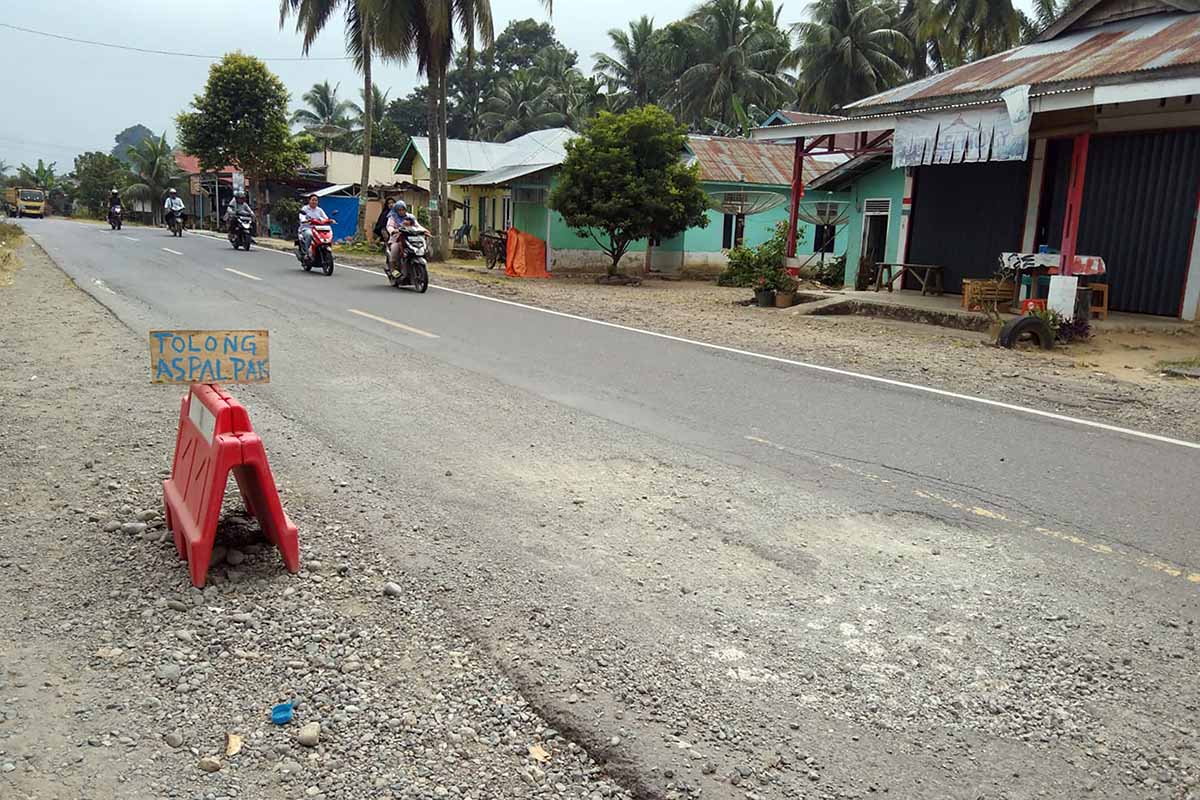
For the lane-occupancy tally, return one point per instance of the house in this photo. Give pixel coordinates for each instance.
(1086, 141)
(336, 167)
(487, 205)
(207, 193)
(747, 183)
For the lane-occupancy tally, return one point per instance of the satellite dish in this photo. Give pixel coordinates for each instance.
(746, 202)
(326, 131)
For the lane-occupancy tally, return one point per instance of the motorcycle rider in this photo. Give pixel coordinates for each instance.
(310, 214)
(114, 201)
(397, 219)
(173, 205)
(240, 207)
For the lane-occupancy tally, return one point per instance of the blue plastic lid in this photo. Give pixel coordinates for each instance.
(281, 714)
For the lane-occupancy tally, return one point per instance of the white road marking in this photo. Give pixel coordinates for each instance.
(402, 327)
(243, 274)
(175, 252)
(130, 238)
(1087, 423)
(102, 285)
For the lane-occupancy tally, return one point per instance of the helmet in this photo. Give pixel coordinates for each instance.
(173, 191)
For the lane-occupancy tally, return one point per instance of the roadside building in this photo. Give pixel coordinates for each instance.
(1085, 141)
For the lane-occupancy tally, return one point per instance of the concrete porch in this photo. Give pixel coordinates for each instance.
(947, 311)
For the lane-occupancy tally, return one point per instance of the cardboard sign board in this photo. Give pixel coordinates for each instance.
(1063, 289)
(239, 182)
(194, 185)
(210, 357)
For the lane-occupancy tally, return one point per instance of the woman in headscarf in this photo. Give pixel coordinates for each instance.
(381, 223)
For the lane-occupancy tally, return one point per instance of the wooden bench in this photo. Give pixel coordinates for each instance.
(928, 275)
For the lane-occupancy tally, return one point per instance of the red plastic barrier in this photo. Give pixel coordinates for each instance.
(214, 438)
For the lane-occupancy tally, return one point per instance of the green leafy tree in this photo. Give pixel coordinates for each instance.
(623, 180)
(409, 114)
(129, 138)
(846, 52)
(519, 44)
(973, 29)
(43, 176)
(286, 212)
(241, 118)
(96, 174)
(154, 172)
(378, 105)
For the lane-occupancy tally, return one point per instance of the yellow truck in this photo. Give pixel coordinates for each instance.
(25, 202)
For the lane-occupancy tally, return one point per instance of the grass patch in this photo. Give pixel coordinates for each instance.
(1179, 363)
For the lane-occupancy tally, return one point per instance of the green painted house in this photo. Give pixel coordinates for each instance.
(747, 182)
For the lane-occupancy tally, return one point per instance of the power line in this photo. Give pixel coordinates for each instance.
(155, 52)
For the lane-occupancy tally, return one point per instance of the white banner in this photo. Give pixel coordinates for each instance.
(962, 136)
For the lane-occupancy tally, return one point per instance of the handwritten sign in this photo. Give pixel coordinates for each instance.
(209, 357)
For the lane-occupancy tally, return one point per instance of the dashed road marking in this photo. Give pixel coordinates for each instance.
(130, 238)
(174, 252)
(394, 324)
(243, 274)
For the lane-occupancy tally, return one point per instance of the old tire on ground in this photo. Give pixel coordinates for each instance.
(1026, 327)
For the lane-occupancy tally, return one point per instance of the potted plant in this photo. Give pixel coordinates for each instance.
(764, 290)
(785, 290)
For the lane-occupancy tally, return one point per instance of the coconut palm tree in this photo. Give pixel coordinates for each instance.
(846, 52)
(363, 43)
(324, 107)
(633, 70)
(741, 59)
(154, 172)
(379, 103)
(518, 107)
(973, 29)
(43, 176)
(1044, 13)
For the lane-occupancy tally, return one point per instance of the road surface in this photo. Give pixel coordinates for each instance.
(746, 566)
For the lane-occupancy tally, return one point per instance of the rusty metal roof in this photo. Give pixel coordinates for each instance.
(728, 160)
(802, 116)
(1154, 42)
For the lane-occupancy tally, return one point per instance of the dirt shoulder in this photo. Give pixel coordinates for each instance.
(119, 679)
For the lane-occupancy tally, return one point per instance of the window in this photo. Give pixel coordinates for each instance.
(823, 238)
(883, 206)
(467, 210)
(507, 212)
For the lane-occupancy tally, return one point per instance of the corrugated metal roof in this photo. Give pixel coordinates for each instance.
(727, 160)
(502, 175)
(464, 155)
(1143, 43)
(802, 116)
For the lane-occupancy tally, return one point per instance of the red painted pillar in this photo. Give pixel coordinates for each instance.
(1079, 155)
(797, 193)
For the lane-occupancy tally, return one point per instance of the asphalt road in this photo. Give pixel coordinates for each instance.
(695, 509)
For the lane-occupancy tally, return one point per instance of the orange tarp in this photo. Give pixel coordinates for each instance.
(526, 256)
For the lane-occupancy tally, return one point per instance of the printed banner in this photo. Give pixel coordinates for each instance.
(967, 136)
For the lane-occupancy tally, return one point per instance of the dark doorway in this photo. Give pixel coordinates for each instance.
(1056, 176)
(823, 238)
(734, 232)
(965, 215)
(874, 243)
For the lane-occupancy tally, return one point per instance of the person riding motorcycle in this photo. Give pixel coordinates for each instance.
(114, 201)
(310, 214)
(399, 222)
(173, 205)
(240, 207)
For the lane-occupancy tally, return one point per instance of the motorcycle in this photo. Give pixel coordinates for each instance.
(240, 230)
(320, 250)
(413, 272)
(175, 223)
(114, 218)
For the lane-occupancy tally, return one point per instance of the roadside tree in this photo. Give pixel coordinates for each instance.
(96, 174)
(623, 181)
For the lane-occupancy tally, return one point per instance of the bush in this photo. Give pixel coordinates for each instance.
(286, 213)
(1065, 330)
(832, 272)
(747, 264)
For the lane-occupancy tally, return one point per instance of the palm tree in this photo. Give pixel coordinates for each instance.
(973, 29)
(324, 107)
(154, 171)
(632, 70)
(1044, 13)
(518, 107)
(4, 167)
(379, 103)
(362, 43)
(845, 53)
(741, 60)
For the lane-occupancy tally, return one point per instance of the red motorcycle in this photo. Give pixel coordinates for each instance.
(320, 250)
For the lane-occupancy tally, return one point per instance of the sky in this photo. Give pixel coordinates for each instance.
(66, 98)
